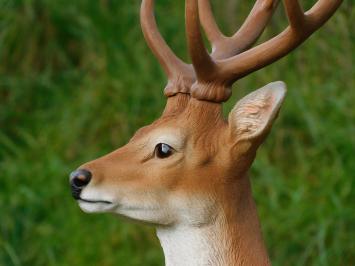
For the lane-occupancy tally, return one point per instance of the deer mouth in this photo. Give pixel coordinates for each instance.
(94, 201)
(96, 206)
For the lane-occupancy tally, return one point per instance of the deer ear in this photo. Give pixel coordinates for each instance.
(254, 114)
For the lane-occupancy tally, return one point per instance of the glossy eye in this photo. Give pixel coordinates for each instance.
(163, 150)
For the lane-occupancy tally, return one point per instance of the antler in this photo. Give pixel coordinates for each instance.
(213, 74)
(180, 75)
(214, 77)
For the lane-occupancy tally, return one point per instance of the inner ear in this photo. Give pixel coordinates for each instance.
(254, 114)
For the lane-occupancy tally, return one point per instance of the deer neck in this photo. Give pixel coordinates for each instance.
(232, 238)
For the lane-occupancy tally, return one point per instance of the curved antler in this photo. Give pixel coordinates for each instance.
(302, 25)
(180, 75)
(202, 62)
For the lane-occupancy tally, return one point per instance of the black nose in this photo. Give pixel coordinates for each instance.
(78, 180)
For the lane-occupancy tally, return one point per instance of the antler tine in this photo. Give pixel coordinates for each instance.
(295, 14)
(245, 37)
(255, 24)
(302, 25)
(209, 24)
(176, 70)
(202, 62)
(321, 12)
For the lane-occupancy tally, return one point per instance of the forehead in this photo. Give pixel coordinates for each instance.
(196, 119)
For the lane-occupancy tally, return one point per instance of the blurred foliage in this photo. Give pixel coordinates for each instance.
(77, 80)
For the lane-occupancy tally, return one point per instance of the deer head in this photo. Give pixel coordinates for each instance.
(191, 164)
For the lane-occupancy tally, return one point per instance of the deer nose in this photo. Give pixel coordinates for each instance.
(78, 180)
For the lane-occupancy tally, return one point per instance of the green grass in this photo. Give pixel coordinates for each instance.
(77, 80)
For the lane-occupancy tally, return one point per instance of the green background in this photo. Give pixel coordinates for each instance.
(77, 80)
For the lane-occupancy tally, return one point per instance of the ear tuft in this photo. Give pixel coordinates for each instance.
(254, 114)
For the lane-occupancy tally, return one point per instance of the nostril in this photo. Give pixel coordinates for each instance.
(80, 178)
(78, 182)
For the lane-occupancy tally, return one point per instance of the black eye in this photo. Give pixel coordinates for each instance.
(163, 150)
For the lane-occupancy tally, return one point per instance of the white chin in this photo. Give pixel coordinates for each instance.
(96, 207)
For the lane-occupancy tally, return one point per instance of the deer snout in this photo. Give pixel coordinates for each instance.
(79, 179)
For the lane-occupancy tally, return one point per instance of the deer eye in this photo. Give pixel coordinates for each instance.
(163, 150)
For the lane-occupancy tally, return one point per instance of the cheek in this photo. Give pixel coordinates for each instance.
(194, 209)
(147, 188)
(164, 176)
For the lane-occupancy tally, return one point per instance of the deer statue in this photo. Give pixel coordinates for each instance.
(187, 172)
